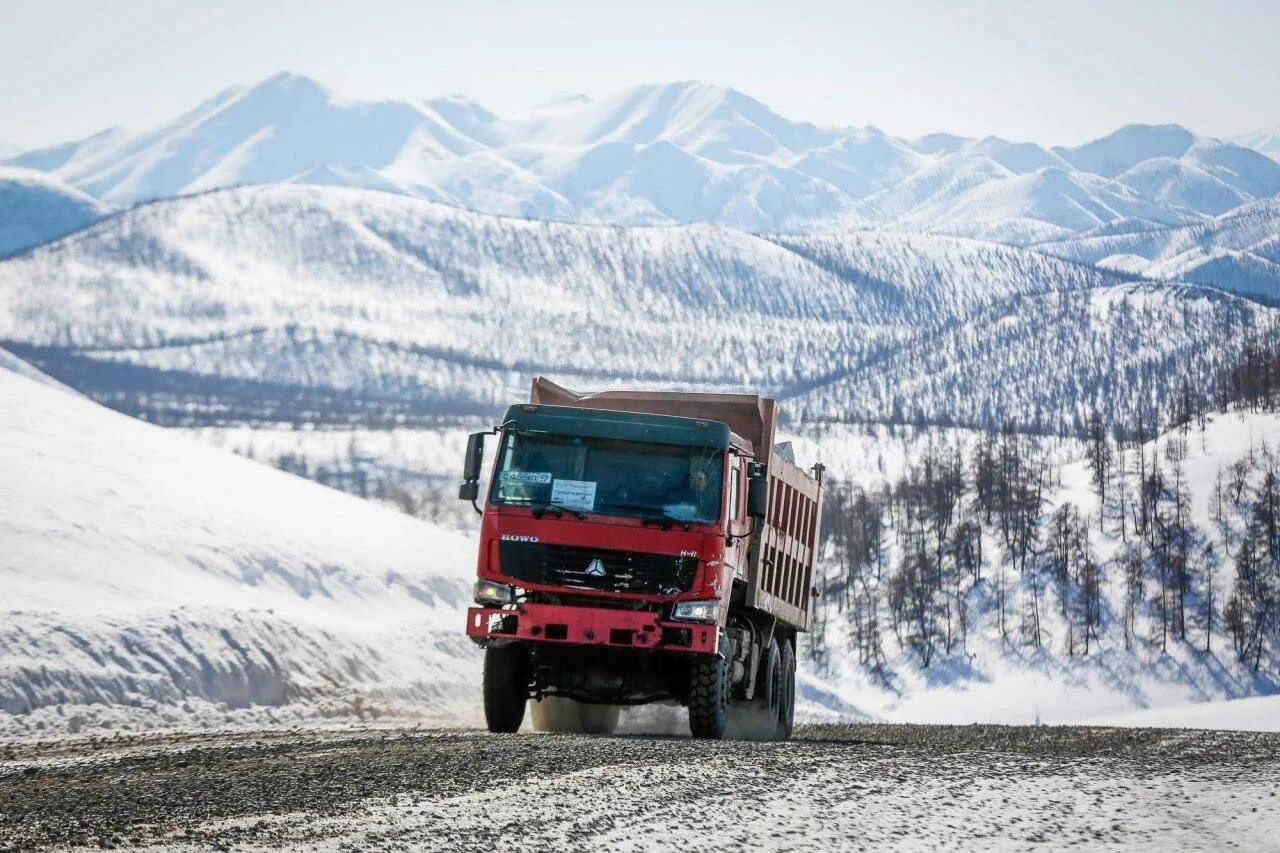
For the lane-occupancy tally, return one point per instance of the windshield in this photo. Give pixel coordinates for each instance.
(609, 476)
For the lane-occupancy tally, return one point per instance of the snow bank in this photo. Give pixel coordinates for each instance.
(142, 570)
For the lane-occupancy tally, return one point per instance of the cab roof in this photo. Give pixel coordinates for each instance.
(620, 425)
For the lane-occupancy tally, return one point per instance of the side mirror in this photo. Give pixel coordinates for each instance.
(758, 496)
(469, 489)
(475, 457)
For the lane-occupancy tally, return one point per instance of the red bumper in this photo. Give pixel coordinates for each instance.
(593, 626)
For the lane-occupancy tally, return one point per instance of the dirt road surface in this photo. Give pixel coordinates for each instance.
(837, 787)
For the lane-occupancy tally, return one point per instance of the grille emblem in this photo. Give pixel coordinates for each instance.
(596, 568)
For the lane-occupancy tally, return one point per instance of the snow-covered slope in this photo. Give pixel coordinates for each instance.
(55, 157)
(36, 207)
(676, 152)
(297, 304)
(148, 576)
(1177, 184)
(1007, 679)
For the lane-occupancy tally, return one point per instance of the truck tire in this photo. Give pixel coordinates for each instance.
(708, 696)
(567, 716)
(787, 695)
(506, 687)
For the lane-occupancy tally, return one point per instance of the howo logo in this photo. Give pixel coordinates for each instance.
(595, 568)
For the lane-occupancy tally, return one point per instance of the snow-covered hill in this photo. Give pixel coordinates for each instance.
(151, 578)
(1237, 251)
(300, 304)
(677, 152)
(36, 207)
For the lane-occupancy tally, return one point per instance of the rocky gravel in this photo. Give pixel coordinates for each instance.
(861, 786)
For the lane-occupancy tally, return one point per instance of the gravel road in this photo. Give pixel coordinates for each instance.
(865, 786)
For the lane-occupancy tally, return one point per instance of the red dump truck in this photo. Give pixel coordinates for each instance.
(636, 547)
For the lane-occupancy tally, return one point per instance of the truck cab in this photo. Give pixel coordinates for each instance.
(615, 565)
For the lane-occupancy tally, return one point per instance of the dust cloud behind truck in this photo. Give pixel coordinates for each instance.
(636, 547)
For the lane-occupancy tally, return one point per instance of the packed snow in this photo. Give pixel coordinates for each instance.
(1256, 713)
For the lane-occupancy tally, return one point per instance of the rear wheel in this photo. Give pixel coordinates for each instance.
(769, 688)
(758, 719)
(558, 714)
(506, 687)
(787, 694)
(708, 696)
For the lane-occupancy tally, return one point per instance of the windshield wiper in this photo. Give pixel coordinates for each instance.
(542, 509)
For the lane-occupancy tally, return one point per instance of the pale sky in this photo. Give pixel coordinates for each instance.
(1052, 72)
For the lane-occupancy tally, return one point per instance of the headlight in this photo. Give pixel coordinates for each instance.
(696, 611)
(494, 594)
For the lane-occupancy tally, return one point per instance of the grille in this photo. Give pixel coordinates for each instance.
(623, 571)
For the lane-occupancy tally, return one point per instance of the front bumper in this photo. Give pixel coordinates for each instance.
(590, 626)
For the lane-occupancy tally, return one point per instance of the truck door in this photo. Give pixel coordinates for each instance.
(735, 552)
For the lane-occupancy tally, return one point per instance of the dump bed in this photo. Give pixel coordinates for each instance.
(784, 548)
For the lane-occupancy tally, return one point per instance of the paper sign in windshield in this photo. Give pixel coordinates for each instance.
(574, 494)
(542, 477)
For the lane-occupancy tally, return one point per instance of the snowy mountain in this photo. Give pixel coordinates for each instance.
(674, 153)
(148, 577)
(36, 207)
(1127, 147)
(289, 304)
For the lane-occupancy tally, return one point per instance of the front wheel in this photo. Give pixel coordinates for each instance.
(708, 696)
(506, 687)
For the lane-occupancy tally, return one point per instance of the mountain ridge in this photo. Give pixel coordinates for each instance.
(664, 153)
